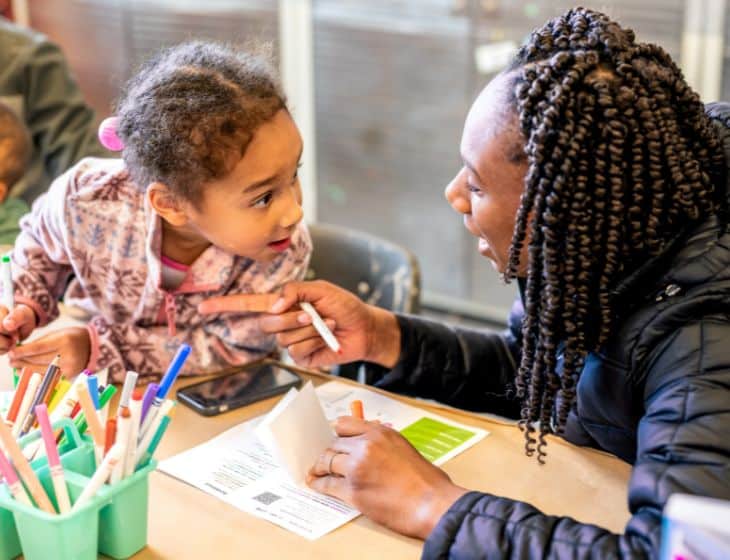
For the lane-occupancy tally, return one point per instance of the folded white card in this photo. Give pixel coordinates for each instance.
(239, 468)
(296, 431)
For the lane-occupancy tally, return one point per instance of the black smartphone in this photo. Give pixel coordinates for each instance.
(234, 390)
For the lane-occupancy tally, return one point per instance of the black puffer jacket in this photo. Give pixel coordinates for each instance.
(658, 396)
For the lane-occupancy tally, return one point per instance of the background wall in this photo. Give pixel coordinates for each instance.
(393, 82)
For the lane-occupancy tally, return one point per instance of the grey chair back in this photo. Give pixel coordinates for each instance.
(378, 271)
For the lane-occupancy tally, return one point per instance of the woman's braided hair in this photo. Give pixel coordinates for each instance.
(621, 158)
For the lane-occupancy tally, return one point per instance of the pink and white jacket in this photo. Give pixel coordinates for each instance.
(95, 223)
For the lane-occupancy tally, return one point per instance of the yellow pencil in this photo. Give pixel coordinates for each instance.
(63, 386)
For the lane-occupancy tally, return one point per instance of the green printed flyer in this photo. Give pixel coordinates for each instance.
(434, 439)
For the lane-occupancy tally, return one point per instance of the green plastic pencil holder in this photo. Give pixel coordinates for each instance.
(73, 456)
(113, 523)
(123, 522)
(9, 542)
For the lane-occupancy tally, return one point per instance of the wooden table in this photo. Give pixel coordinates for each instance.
(186, 523)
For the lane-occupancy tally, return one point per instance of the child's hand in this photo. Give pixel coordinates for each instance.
(72, 344)
(16, 325)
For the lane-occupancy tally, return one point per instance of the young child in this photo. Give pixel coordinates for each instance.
(204, 201)
(15, 150)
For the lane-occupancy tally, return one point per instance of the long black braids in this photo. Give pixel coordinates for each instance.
(621, 157)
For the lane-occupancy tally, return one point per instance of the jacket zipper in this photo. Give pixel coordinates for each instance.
(668, 291)
(170, 310)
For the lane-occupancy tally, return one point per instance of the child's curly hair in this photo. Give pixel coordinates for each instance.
(189, 114)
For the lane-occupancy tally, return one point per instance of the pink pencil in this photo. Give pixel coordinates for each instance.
(24, 470)
(11, 479)
(54, 461)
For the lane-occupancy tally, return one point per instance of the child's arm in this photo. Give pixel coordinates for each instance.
(149, 350)
(219, 342)
(40, 259)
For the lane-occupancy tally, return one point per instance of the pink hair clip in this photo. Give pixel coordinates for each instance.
(108, 134)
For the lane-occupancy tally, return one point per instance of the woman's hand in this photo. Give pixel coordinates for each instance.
(15, 325)
(363, 331)
(376, 470)
(72, 344)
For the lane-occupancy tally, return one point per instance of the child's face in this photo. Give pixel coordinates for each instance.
(253, 211)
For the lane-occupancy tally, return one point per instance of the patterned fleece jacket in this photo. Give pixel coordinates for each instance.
(96, 226)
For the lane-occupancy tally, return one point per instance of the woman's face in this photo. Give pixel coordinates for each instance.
(488, 187)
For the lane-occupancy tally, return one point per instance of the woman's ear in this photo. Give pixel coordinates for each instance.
(166, 204)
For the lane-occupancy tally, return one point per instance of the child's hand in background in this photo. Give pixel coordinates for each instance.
(16, 325)
(72, 344)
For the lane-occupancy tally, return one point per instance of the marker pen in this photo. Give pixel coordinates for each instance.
(101, 475)
(149, 453)
(135, 414)
(167, 380)
(320, 326)
(54, 461)
(24, 470)
(11, 479)
(145, 441)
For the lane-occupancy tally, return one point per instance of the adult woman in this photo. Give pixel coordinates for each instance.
(593, 175)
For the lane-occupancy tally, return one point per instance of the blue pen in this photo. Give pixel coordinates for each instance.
(165, 385)
(93, 382)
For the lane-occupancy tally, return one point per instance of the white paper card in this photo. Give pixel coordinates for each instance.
(282, 431)
(240, 470)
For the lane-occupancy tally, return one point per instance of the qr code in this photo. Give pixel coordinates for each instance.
(267, 498)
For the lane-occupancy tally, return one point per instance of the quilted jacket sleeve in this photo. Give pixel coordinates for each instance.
(221, 341)
(41, 256)
(682, 447)
(465, 368)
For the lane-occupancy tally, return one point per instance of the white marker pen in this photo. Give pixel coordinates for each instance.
(320, 326)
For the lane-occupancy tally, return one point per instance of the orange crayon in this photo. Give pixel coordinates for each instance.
(356, 410)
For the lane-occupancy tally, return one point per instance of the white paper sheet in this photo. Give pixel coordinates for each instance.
(299, 412)
(6, 398)
(238, 468)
